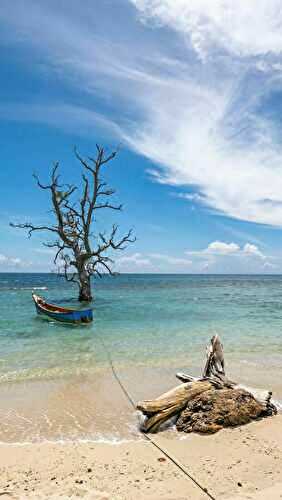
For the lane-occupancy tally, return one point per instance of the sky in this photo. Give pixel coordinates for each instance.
(189, 92)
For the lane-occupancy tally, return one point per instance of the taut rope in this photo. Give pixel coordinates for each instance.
(147, 436)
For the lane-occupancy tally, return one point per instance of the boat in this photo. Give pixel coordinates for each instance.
(62, 314)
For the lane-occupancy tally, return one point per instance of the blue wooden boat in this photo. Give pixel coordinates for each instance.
(62, 314)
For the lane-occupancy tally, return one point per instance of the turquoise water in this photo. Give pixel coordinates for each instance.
(143, 318)
(150, 323)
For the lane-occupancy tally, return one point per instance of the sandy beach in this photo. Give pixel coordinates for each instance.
(141, 250)
(68, 430)
(240, 463)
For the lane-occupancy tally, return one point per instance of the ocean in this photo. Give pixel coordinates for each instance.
(56, 382)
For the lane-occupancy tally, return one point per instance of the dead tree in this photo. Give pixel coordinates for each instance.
(79, 253)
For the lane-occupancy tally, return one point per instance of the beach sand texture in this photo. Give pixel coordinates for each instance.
(62, 411)
(240, 463)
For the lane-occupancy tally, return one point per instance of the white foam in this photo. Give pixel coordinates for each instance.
(112, 440)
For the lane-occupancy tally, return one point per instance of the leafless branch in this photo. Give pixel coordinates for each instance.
(31, 228)
(80, 253)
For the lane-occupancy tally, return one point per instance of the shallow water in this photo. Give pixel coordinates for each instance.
(51, 375)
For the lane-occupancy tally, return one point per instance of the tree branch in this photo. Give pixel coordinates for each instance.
(33, 228)
(67, 264)
(110, 242)
(75, 246)
(108, 205)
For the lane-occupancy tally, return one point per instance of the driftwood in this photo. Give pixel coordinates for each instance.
(205, 404)
(215, 359)
(169, 404)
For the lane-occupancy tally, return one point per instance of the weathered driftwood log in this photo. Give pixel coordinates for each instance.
(215, 358)
(169, 404)
(214, 366)
(218, 380)
(205, 404)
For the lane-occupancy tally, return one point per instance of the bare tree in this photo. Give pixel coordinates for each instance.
(79, 253)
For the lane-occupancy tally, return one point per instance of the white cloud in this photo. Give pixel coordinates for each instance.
(174, 261)
(221, 249)
(197, 119)
(196, 197)
(223, 257)
(135, 259)
(244, 27)
(152, 262)
(74, 119)
(216, 248)
(215, 256)
(269, 265)
(252, 250)
(12, 262)
(206, 130)
(45, 251)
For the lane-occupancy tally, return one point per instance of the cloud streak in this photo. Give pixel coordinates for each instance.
(212, 134)
(152, 262)
(193, 105)
(13, 262)
(67, 117)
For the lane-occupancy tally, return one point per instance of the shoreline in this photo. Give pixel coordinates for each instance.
(238, 463)
(84, 408)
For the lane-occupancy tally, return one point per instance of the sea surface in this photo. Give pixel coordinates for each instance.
(56, 381)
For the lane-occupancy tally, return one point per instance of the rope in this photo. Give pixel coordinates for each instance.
(149, 438)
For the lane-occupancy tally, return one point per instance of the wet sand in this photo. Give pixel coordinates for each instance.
(82, 407)
(241, 463)
(86, 415)
(86, 407)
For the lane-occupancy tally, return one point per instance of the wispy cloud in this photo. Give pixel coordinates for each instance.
(240, 234)
(193, 105)
(168, 259)
(212, 134)
(71, 118)
(152, 262)
(132, 261)
(45, 251)
(13, 262)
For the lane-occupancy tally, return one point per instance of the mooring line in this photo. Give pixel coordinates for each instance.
(147, 436)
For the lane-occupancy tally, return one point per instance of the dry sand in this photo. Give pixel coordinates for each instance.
(241, 463)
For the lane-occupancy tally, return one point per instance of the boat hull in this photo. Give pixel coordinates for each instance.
(63, 315)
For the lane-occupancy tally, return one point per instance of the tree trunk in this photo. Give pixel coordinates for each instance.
(85, 294)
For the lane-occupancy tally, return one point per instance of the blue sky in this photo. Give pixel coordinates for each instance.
(191, 94)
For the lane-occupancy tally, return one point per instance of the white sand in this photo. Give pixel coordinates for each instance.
(241, 463)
